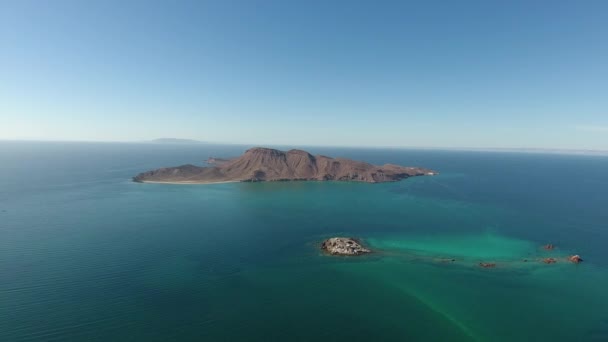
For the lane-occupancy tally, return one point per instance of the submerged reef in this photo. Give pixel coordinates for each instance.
(487, 251)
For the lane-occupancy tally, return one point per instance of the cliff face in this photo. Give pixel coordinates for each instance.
(265, 164)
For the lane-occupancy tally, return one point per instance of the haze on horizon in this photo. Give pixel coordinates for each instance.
(517, 74)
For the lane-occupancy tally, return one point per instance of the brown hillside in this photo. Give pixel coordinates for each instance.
(265, 164)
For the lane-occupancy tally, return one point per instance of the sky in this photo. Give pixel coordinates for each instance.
(482, 74)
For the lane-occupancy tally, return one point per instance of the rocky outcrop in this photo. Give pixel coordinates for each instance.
(265, 164)
(343, 246)
(575, 259)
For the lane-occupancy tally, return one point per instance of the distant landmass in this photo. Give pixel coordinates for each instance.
(175, 141)
(265, 164)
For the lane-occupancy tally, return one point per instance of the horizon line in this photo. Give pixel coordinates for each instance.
(188, 141)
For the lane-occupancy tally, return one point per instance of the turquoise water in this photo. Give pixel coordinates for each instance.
(85, 254)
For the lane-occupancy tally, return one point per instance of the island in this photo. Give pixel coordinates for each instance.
(343, 246)
(266, 164)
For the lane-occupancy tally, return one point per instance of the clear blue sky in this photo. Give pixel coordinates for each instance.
(352, 73)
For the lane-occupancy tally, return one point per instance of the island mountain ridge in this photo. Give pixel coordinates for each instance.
(266, 164)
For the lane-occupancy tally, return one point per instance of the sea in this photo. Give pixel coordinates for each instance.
(88, 255)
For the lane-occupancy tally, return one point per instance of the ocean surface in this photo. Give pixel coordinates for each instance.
(86, 254)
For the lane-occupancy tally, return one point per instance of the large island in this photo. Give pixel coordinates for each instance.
(265, 164)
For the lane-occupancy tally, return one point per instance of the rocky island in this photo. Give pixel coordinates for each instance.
(343, 246)
(265, 164)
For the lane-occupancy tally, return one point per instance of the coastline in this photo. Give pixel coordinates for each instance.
(188, 182)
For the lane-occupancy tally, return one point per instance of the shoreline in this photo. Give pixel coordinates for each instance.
(273, 181)
(188, 182)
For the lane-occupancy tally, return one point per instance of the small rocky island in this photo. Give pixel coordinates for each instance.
(266, 164)
(343, 246)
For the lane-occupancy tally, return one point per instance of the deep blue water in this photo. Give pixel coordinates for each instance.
(86, 254)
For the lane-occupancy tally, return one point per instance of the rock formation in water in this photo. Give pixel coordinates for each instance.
(265, 164)
(575, 259)
(343, 246)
